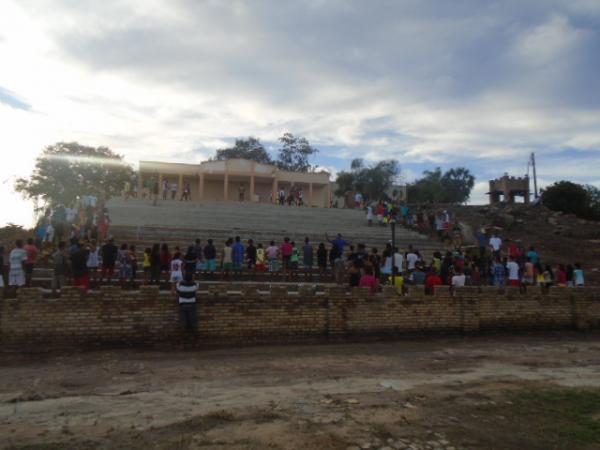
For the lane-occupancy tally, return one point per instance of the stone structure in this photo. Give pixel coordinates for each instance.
(221, 181)
(506, 188)
(243, 314)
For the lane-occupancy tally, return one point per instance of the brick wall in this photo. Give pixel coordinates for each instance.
(247, 314)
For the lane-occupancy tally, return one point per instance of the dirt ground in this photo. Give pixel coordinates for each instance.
(538, 391)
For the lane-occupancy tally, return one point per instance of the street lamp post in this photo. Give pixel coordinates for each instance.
(393, 224)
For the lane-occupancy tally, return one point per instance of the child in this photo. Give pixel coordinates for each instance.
(260, 258)
(227, 259)
(146, 264)
(370, 215)
(93, 262)
(578, 274)
(176, 271)
(294, 260)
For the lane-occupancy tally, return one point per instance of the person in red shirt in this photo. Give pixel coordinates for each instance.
(32, 254)
(286, 255)
(369, 280)
(432, 280)
(561, 275)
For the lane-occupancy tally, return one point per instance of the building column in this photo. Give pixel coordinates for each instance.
(201, 187)
(252, 188)
(275, 192)
(140, 184)
(226, 187)
(310, 194)
(328, 195)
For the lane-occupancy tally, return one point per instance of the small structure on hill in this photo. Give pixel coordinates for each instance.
(506, 188)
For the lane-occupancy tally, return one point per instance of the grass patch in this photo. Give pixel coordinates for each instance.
(545, 418)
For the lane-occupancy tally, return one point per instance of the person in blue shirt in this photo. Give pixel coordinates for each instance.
(535, 257)
(339, 242)
(238, 250)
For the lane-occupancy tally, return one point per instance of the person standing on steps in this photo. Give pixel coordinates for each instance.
(186, 298)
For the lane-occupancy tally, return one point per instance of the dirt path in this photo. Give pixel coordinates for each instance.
(402, 394)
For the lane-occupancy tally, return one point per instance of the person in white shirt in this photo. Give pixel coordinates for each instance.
(176, 270)
(458, 280)
(412, 258)
(496, 244)
(18, 256)
(513, 273)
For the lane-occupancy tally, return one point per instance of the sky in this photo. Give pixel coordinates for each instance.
(474, 83)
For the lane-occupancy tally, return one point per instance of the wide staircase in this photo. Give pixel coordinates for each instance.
(137, 222)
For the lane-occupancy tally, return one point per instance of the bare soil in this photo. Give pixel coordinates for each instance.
(538, 391)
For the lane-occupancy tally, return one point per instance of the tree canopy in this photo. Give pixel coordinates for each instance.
(294, 153)
(452, 186)
(67, 171)
(250, 148)
(573, 198)
(374, 181)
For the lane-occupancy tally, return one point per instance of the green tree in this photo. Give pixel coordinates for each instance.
(453, 186)
(67, 171)
(374, 181)
(250, 148)
(294, 153)
(572, 198)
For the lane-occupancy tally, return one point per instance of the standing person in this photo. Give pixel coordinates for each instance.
(155, 264)
(578, 275)
(529, 273)
(561, 276)
(375, 262)
(177, 271)
(32, 254)
(412, 258)
(534, 255)
(165, 188)
(60, 265)
(570, 276)
(199, 251)
(294, 261)
(370, 215)
(227, 261)
(174, 189)
(322, 260)
(134, 265)
(186, 294)
(124, 262)
(241, 193)
(210, 256)
(339, 242)
(286, 255)
(354, 273)
(513, 272)
(17, 258)
(187, 190)
(238, 256)
(481, 241)
(458, 280)
(281, 197)
(273, 256)
(307, 258)
(93, 262)
(261, 258)
(548, 276)
(165, 261)
(337, 264)
(368, 279)
(432, 280)
(499, 273)
(154, 191)
(189, 261)
(108, 253)
(81, 275)
(251, 252)
(496, 245)
(146, 264)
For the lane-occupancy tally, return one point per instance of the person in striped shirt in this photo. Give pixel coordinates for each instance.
(186, 293)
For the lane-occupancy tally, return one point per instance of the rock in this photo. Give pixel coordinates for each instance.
(365, 445)
(352, 401)
(386, 448)
(353, 447)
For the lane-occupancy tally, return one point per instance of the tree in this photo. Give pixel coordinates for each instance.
(67, 171)
(294, 153)
(453, 186)
(250, 148)
(573, 198)
(374, 181)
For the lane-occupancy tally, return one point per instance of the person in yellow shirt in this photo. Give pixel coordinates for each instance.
(398, 281)
(260, 259)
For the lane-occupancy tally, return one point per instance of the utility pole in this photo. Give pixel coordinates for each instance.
(535, 191)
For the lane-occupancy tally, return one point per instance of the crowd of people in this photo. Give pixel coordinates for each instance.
(82, 262)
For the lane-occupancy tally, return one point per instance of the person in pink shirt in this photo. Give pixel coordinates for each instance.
(32, 254)
(286, 254)
(369, 280)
